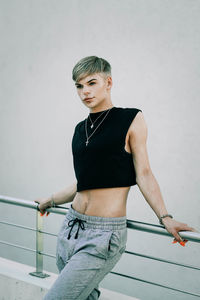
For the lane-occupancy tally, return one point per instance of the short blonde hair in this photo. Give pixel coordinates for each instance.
(90, 65)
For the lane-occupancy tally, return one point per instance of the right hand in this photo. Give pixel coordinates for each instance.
(44, 203)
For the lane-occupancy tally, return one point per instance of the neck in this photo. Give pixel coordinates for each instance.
(101, 107)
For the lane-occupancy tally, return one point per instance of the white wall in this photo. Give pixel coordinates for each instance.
(153, 47)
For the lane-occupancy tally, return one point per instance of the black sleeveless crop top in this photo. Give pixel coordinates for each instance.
(104, 162)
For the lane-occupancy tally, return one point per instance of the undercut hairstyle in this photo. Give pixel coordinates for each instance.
(90, 65)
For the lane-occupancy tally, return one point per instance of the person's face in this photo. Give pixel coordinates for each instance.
(95, 88)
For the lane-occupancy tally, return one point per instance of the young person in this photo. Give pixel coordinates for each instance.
(109, 156)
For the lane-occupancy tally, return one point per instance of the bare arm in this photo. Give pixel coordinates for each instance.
(65, 196)
(145, 179)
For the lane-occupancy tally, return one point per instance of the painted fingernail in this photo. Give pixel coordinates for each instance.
(42, 214)
(174, 242)
(182, 243)
(47, 214)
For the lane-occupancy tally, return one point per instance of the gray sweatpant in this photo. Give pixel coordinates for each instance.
(88, 247)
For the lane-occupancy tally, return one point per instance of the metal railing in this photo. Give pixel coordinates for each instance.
(141, 226)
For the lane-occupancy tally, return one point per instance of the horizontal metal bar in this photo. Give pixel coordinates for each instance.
(17, 246)
(16, 225)
(48, 233)
(162, 260)
(31, 204)
(18, 202)
(128, 252)
(151, 228)
(156, 284)
(123, 275)
(28, 228)
(157, 229)
(47, 254)
(28, 249)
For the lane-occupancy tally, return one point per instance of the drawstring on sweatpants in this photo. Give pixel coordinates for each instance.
(71, 224)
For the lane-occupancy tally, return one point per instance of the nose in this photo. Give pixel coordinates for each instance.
(86, 90)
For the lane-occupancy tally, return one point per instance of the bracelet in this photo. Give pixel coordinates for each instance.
(52, 202)
(164, 216)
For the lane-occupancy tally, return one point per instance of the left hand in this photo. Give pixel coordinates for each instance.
(173, 227)
(43, 204)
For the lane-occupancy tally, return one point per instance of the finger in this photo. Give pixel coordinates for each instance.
(42, 212)
(183, 243)
(187, 228)
(174, 241)
(191, 229)
(48, 212)
(177, 237)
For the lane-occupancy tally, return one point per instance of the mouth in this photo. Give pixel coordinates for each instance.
(88, 99)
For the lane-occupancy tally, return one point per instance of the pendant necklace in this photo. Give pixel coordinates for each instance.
(88, 137)
(96, 119)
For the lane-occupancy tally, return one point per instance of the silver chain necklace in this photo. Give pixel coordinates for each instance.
(96, 119)
(87, 141)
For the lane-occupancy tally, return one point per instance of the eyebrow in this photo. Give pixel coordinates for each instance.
(87, 81)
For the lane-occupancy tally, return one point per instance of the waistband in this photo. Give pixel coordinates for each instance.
(114, 223)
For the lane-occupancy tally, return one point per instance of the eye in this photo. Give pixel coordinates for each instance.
(78, 86)
(91, 83)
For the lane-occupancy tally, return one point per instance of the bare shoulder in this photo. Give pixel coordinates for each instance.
(138, 127)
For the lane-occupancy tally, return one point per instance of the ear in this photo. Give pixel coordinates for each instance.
(109, 82)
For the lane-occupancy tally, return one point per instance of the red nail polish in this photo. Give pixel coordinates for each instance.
(182, 243)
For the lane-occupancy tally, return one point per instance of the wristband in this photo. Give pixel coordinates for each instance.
(162, 217)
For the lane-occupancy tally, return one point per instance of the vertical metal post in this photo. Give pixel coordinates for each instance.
(39, 248)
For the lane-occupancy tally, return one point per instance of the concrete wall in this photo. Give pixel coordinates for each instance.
(17, 283)
(153, 47)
